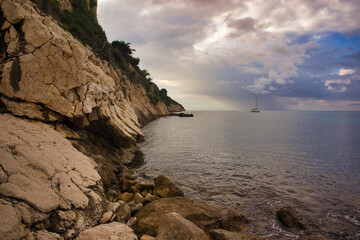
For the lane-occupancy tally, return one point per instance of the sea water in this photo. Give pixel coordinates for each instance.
(258, 162)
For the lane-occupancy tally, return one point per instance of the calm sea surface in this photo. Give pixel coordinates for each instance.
(258, 162)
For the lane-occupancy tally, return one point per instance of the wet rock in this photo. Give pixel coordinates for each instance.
(149, 198)
(144, 193)
(203, 214)
(106, 217)
(123, 213)
(126, 197)
(289, 218)
(129, 174)
(134, 189)
(111, 195)
(113, 231)
(165, 188)
(174, 226)
(125, 184)
(146, 186)
(221, 234)
(138, 198)
(132, 222)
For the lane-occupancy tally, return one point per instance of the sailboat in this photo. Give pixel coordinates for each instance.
(255, 110)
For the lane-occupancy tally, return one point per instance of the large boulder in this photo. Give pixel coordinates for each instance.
(110, 231)
(203, 214)
(174, 226)
(165, 188)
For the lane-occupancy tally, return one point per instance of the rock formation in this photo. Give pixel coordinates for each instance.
(69, 120)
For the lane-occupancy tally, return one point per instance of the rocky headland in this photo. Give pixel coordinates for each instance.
(70, 120)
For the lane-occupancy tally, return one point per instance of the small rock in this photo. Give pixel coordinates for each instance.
(133, 208)
(150, 198)
(144, 193)
(113, 206)
(132, 222)
(129, 174)
(138, 198)
(126, 184)
(146, 186)
(106, 217)
(123, 214)
(139, 205)
(174, 226)
(126, 197)
(288, 217)
(134, 189)
(147, 237)
(165, 188)
(111, 195)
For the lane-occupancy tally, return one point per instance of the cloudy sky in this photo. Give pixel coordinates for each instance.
(217, 54)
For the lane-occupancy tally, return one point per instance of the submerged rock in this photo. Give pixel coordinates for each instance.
(203, 214)
(289, 218)
(221, 234)
(174, 226)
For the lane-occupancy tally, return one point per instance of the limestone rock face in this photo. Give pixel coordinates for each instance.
(203, 214)
(49, 179)
(53, 72)
(174, 226)
(48, 75)
(113, 231)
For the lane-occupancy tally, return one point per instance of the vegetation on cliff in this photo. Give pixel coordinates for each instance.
(82, 23)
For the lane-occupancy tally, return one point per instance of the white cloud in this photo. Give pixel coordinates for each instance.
(337, 85)
(344, 71)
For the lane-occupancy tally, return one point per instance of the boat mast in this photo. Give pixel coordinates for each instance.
(256, 101)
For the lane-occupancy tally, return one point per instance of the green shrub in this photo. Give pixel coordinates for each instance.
(50, 7)
(83, 25)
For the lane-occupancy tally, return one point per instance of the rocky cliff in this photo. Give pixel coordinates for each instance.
(69, 120)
